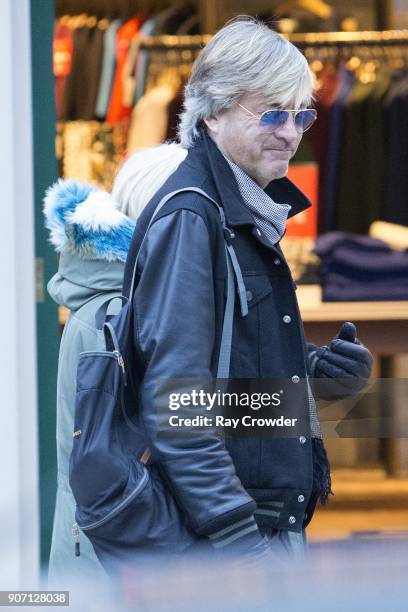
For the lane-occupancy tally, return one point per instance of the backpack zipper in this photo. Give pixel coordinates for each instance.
(75, 527)
(121, 363)
(115, 510)
(75, 535)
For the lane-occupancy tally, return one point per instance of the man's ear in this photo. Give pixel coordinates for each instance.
(212, 124)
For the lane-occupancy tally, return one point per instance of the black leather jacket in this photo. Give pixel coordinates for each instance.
(179, 306)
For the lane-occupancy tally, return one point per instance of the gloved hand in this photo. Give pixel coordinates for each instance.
(346, 364)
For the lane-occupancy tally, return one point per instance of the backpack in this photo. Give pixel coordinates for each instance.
(122, 504)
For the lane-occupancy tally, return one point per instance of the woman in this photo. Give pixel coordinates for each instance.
(92, 231)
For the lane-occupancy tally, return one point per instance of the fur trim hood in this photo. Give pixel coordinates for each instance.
(86, 222)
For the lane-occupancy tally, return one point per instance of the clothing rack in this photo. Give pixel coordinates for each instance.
(313, 39)
(108, 9)
(350, 39)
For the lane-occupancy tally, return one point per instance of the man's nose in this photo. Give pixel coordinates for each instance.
(288, 130)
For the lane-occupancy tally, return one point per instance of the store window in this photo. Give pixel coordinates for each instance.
(117, 93)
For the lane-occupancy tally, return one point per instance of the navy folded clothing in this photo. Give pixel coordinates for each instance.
(333, 292)
(327, 243)
(368, 266)
(362, 268)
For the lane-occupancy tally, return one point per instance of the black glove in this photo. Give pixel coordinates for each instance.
(346, 364)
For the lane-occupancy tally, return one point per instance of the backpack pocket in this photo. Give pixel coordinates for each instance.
(99, 464)
(145, 523)
(122, 506)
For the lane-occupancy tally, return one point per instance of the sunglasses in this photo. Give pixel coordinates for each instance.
(274, 119)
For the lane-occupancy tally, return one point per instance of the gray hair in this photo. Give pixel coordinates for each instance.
(142, 175)
(245, 56)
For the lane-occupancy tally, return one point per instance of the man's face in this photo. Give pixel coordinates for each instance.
(263, 155)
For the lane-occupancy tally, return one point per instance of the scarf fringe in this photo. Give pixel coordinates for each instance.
(321, 471)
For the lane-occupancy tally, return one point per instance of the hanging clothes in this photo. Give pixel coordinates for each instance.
(62, 60)
(81, 88)
(150, 117)
(174, 110)
(359, 140)
(170, 21)
(107, 69)
(117, 111)
(320, 132)
(191, 26)
(345, 85)
(396, 152)
(142, 63)
(361, 169)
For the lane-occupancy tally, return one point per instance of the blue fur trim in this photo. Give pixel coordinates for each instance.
(60, 199)
(108, 237)
(112, 245)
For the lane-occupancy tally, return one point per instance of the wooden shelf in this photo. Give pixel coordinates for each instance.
(314, 310)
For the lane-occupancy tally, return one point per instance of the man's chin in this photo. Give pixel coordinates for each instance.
(277, 175)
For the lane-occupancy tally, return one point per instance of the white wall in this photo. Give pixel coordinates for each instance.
(19, 508)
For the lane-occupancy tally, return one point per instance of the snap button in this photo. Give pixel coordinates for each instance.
(249, 295)
(292, 520)
(277, 262)
(287, 319)
(295, 379)
(229, 234)
(301, 498)
(302, 439)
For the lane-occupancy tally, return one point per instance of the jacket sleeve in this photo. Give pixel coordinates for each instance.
(175, 331)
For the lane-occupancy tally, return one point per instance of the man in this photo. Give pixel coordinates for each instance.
(248, 494)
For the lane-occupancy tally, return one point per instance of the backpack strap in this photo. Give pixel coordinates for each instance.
(100, 315)
(228, 234)
(233, 270)
(234, 275)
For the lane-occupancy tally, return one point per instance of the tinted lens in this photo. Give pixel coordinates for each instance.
(273, 119)
(304, 119)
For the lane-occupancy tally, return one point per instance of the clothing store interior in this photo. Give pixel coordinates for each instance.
(120, 68)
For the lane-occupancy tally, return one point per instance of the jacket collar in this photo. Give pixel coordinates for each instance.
(236, 212)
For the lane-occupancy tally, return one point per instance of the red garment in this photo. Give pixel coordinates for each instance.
(117, 111)
(62, 59)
